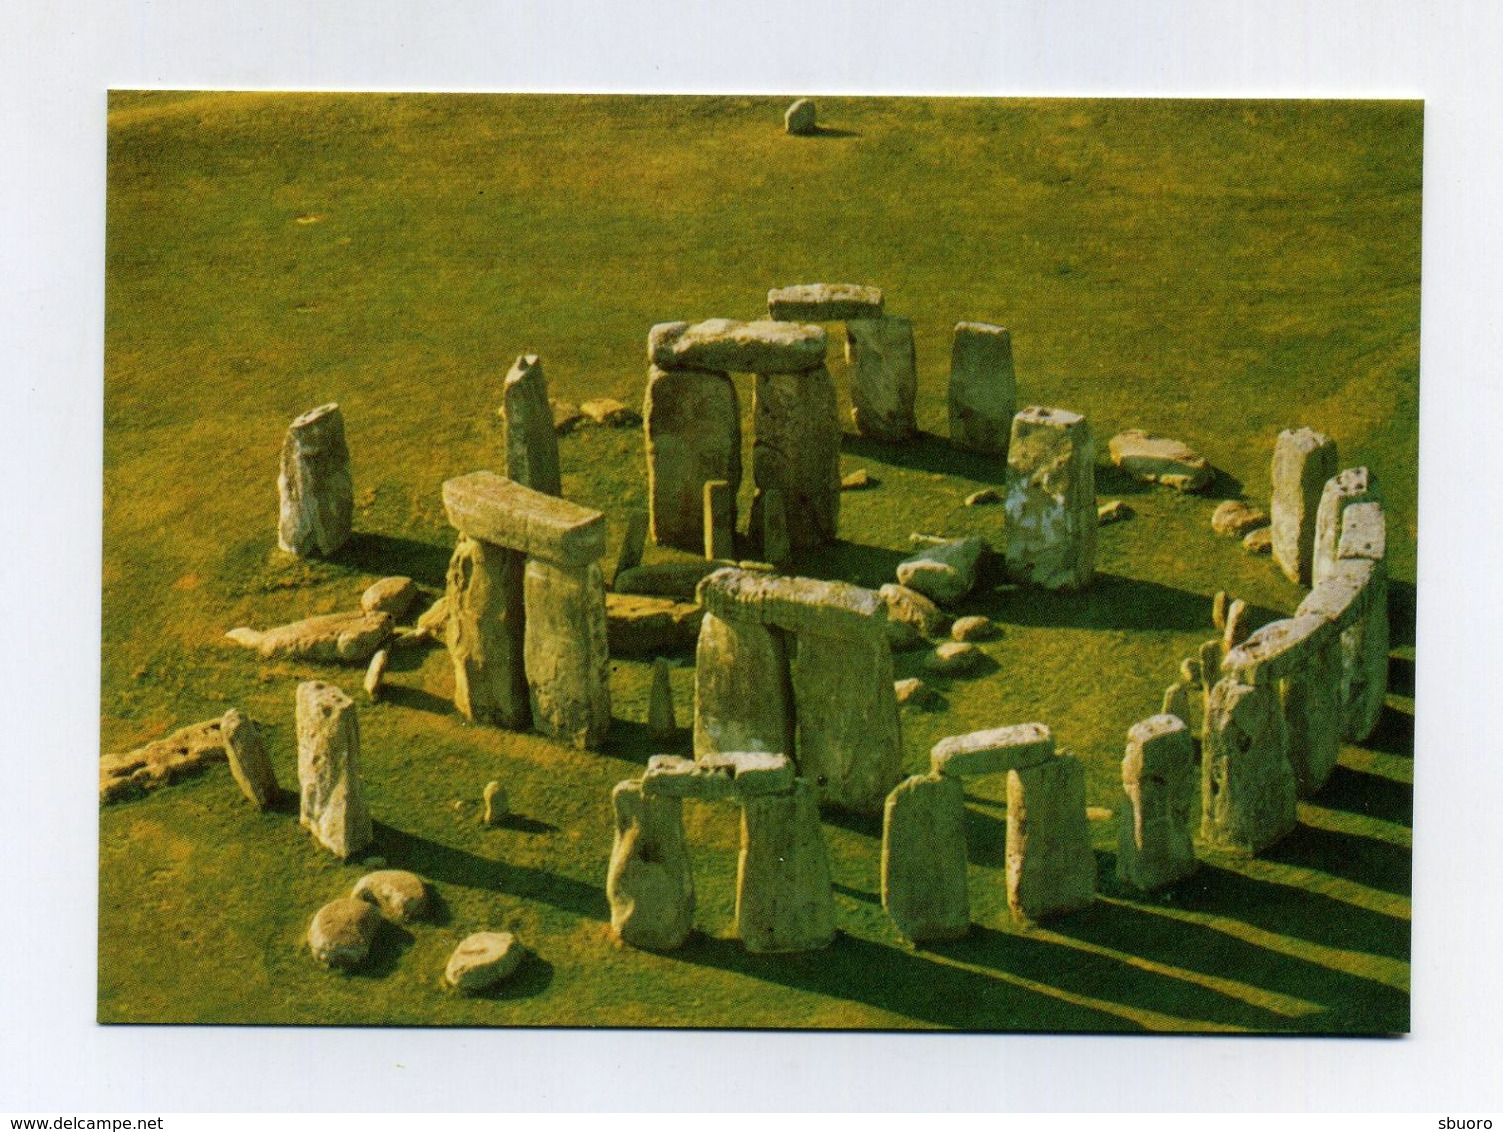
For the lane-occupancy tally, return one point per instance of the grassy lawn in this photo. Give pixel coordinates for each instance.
(1214, 271)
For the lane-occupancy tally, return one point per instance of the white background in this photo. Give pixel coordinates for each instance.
(56, 62)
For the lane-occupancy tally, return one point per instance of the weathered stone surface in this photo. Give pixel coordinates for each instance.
(946, 572)
(1348, 487)
(314, 484)
(1157, 459)
(331, 791)
(1259, 541)
(974, 628)
(493, 508)
(909, 607)
(433, 623)
(495, 804)
(531, 431)
(859, 480)
(393, 595)
(1247, 788)
(953, 658)
(1219, 605)
(924, 859)
(1344, 595)
(802, 605)
(566, 652)
(771, 519)
(983, 498)
(1159, 779)
(1364, 644)
(649, 626)
(1051, 500)
(660, 719)
(1310, 698)
(1277, 650)
(993, 751)
(400, 896)
(486, 633)
(185, 752)
(482, 960)
(249, 762)
(1238, 624)
(566, 417)
(349, 637)
(1303, 460)
(848, 741)
(609, 413)
(799, 118)
(1364, 533)
(633, 544)
(650, 884)
(1050, 867)
(884, 378)
(714, 777)
(693, 428)
(1235, 518)
(914, 691)
(742, 698)
(674, 579)
(797, 452)
(719, 520)
(1114, 511)
(375, 673)
(342, 932)
(783, 897)
(728, 346)
(1189, 671)
(824, 302)
(1177, 702)
(983, 394)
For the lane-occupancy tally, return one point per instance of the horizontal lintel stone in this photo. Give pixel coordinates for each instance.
(798, 605)
(824, 302)
(501, 511)
(993, 751)
(1277, 650)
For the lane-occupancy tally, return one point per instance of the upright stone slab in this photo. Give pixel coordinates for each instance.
(486, 633)
(983, 389)
(1343, 490)
(770, 515)
(797, 452)
(799, 118)
(783, 897)
(742, 699)
(1158, 777)
(660, 720)
(1364, 540)
(1050, 867)
(1247, 788)
(885, 381)
(531, 438)
(719, 520)
(566, 652)
(650, 884)
(633, 544)
(332, 795)
(249, 763)
(924, 859)
(692, 421)
(1303, 460)
(1051, 500)
(317, 493)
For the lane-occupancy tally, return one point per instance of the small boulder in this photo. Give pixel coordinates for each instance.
(911, 608)
(401, 896)
(495, 801)
(393, 595)
(983, 498)
(375, 673)
(974, 628)
(946, 572)
(858, 480)
(610, 412)
(954, 658)
(1113, 512)
(566, 417)
(342, 932)
(1157, 459)
(1237, 519)
(1259, 541)
(799, 119)
(483, 960)
(913, 691)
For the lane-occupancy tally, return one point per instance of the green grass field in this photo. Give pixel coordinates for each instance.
(1214, 271)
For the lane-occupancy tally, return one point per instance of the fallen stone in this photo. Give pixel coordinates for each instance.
(1347, 487)
(486, 633)
(1303, 460)
(660, 721)
(993, 751)
(531, 428)
(800, 605)
(566, 417)
(497, 510)
(742, 697)
(1051, 500)
(884, 378)
(797, 452)
(1235, 518)
(482, 960)
(390, 595)
(1259, 541)
(727, 346)
(400, 896)
(983, 498)
(349, 637)
(914, 691)
(974, 628)
(185, 752)
(1247, 786)
(1113, 512)
(924, 859)
(983, 393)
(249, 762)
(609, 413)
(495, 804)
(649, 626)
(945, 573)
(909, 607)
(342, 932)
(316, 491)
(679, 580)
(858, 480)
(375, 673)
(799, 118)
(824, 302)
(1050, 867)
(1157, 459)
(566, 652)
(1159, 781)
(953, 658)
(783, 896)
(332, 794)
(649, 884)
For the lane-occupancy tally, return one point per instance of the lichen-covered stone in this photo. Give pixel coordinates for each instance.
(676, 579)
(660, 720)
(376, 673)
(692, 420)
(1247, 788)
(494, 804)
(884, 378)
(727, 346)
(566, 652)
(331, 791)
(249, 762)
(802, 605)
(633, 543)
(342, 932)
(1303, 460)
(719, 520)
(983, 393)
(770, 520)
(1159, 780)
(1347, 487)
(1051, 500)
(316, 489)
(742, 698)
(351, 638)
(908, 606)
(1310, 697)
(799, 118)
(711, 777)
(783, 896)
(953, 658)
(186, 751)
(486, 631)
(531, 433)
(1050, 867)
(924, 859)
(797, 452)
(650, 884)
(974, 628)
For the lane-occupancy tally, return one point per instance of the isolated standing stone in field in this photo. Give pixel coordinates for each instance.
(566, 651)
(248, 760)
(1158, 776)
(531, 437)
(799, 118)
(1247, 788)
(824, 302)
(495, 804)
(485, 633)
(719, 520)
(633, 544)
(482, 960)
(924, 858)
(1303, 460)
(783, 897)
(1343, 490)
(375, 673)
(885, 380)
(1158, 459)
(797, 452)
(983, 389)
(1050, 867)
(328, 769)
(742, 699)
(650, 884)
(1051, 499)
(770, 512)
(342, 932)
(660, 719)
(317, 493)
(945, 572)
(692, 421)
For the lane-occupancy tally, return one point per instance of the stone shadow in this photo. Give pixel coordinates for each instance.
(424, 562)
(854, 562)
(633, 741)
(926, 452)
(1362, 860)
(1394, 734)
(391, 942)
(1402, 613)
(1112, 601)
(417, 699)
(1367, 795)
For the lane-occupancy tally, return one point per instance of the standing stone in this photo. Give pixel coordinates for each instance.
(486, 633)
(633, 544)
(885, 381)
(650, 884)
(983, 389)
(776, 547)
(783, 896)
(797, 451)
(494, 804)
(1303, 460)
(799, 118)
(1311, 699)
(376, 673)
(1236, 627)
(924, 858)
(566, 652)
(1050, 867)
(742, 698)
(1364, 539)
(692, 421)
(248, 760)
(1343, 490)
(328, 770)
(1158, 777)
(660, 721)
(1177, 702)
(719, 520)
(317, 493)
(1051, 500)
(531, 437)
(1247, 788)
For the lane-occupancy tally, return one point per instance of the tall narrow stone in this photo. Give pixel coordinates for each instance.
(650, 884)
(633, 544)
(566, 653)
(1050, 867)
(317, 493)
(885, 381)
(249, 763)
(1159, 780)
(332, 795)
(924, 858)
(983, 389)
(1345, 489)
(1364, 539)
(783, 897)
(797, 451)
(1247, 788)
(1303, 460)
(742, 698)
(486, 633)
(660, 719)
(1051, 500)
(719, 521)
(692, 421)
(531, 438)
(1311, 700)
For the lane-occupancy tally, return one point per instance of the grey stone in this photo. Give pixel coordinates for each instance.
(349, 637)
(1177, 702)
(531, 431)
(1344, 595)
(924, 859)
(186, 751)
(1348, 487)
(486, 633)
(693, 430)
(650, 884)
(393, 595)
(400, 896)
(1310, 698)
(1237, 627)
(1247, 788)
(884, 379)
(824, 302)
(909, 607)
(1050, 867)
(660, 721)
(1237, 519)
(316, 491)
(742, 698)
(566, 652)
(983, 394)
(248, 760)
(797, 452)
(1276, 650)
(495, 804)
(946, 572)
(1364, 533)
(633, 544)
(995, 750)
(715, 777)
(974, 628)
(804, 605)
(1157, 459)
(1303, 460)
(482, 960)
(1158, 777)
(1051, 500)
(493, 508)
(332, 793)
(783, 896)
(719, 520)
(799, 118)
(342, 932)
(727, 346)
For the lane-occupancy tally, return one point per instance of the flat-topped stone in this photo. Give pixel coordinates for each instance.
(1342, 596)
(741, 347)
(824, 302)
(983, 391)
(1364, 532)
(1158, 459)
(1345, 488)
(796, 604)
(1277, 650)
(501, 511)
(719, 775)
(995, 750)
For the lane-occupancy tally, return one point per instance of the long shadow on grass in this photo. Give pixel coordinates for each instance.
(423, 562)
(927, 453)
(417, 699)
(1367, 795)
(1111, 602)
(1394, 734)
(635, 742)
(1402, 613)
(853, 562)
(1363, 860)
